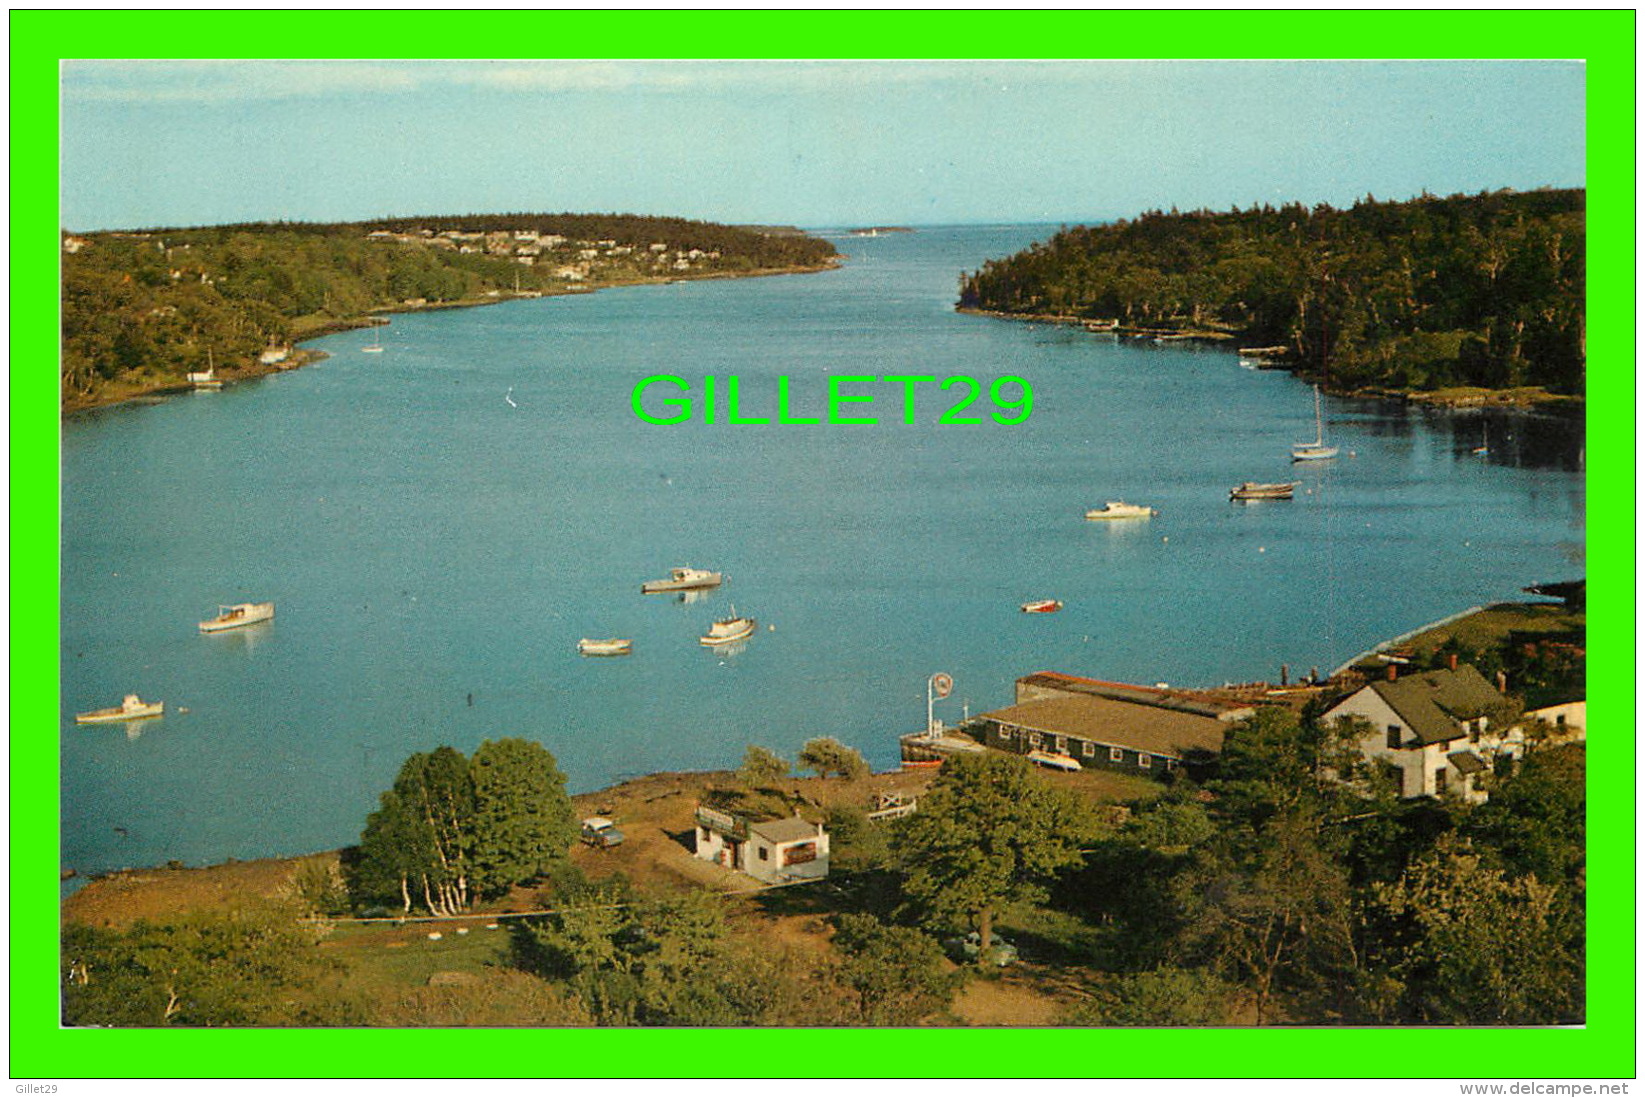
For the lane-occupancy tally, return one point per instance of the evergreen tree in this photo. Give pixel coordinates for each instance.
(523, 822)
(989, 832)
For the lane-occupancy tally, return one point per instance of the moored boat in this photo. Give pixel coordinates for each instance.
(728, 630)
(1315, 450)
(682, 579)
(612, 647)
(1252, 490)
(240, 614)
(1041, 606)
(132, 708)
(1114, 509)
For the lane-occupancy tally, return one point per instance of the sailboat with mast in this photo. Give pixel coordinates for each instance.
(1315, 450)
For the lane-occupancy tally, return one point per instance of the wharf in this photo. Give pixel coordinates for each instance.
(931, 748)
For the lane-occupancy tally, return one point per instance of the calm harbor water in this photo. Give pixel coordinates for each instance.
(435, 551)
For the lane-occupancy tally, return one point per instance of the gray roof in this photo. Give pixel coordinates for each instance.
(1197, 702)
(1432, 702)
(1138, 726)
(1467, 762)
(789, 830)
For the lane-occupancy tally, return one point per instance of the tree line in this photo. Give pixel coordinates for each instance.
(1483, 289)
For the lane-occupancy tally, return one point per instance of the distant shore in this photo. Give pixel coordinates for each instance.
(137, 389)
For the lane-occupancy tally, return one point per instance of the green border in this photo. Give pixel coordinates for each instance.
(1603, 1049)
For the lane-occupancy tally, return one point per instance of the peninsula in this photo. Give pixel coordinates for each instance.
(1471, 299)
(143, 310)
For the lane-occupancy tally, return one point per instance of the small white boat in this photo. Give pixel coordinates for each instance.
(682, 579)
(729, 630)
(233, 617)
(1114, 509)
(1252, 490)
(132, 708)
(1041, 606)
(612, 647)
(1315, 450)
(207, 378)
(1055, 761)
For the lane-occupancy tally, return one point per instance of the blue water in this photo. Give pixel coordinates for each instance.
(435, 553)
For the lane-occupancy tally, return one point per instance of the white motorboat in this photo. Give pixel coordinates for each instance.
(1114, 509)
(240, 614)
(728, 630)
(612, 647)
(132, 708)
(682, 579)
(1315, 450)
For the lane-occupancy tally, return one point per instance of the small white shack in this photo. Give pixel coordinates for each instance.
(773, 851)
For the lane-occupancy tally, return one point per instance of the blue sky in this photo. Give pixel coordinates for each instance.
(821, 143)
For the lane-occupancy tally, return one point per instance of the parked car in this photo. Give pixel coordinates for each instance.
(601, 833)
(1000, 951)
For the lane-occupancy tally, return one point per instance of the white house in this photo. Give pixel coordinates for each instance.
(773, 851)
(1569, 720)
(1433, 727)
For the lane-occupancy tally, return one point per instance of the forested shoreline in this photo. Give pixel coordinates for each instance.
(142, 309)
(1479, 290)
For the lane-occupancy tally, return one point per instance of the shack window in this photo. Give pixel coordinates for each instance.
(1116, 754)
(1144, 761)
(1005, 732)
(1170, 764)
(765, 855)
(1439, 780)
(1393, 735)
(1033, 739)
(800, 853)
(1088, 749)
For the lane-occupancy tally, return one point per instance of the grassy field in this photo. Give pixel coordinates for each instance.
(1493, 625)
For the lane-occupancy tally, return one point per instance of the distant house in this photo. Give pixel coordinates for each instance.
(772, 851)
(1433, 727)
(1061, 720)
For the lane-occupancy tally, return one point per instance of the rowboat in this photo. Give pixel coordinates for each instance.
(1054, 761)
(132, 708)
(1253, 490)
(233, 617)
(612, 647)
(682, 579)
(728, 630)
(1041, 606)
(1113, 509)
